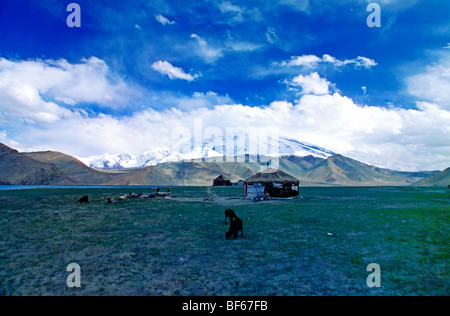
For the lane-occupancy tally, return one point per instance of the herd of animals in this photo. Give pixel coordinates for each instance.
(85, 199)
(236, 224)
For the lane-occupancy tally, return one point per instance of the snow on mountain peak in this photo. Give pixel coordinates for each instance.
(238, 145)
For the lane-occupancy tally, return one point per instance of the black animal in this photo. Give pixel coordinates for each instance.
(84, 199)
(235, 227)
(229, 213)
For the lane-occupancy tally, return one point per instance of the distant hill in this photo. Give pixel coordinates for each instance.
(299, 166)
(187, 173)
(340, 170)
(18, 169)
(74, 169)
(441, 179)
(45, 168)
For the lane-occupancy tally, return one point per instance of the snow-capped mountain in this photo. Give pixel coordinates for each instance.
(119, 161)
(124, 160)
(209, 148)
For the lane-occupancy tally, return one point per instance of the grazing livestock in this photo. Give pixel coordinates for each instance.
(84, 199)
(229, 213)
(235, 227)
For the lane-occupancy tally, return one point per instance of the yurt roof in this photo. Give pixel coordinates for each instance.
(270, 176)
(222, 177)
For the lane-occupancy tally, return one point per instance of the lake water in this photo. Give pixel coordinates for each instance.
(28, 187)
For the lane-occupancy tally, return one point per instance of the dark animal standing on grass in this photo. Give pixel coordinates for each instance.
(84, 199)
(235, 227)
(229, 213)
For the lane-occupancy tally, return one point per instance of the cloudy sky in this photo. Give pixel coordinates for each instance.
(137, 70)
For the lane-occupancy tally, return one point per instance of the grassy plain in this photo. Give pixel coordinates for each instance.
(177, 247)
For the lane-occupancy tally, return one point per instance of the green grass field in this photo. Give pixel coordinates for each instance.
(177, 246)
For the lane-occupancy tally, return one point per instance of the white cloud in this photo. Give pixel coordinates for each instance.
(227, 6)
(297, 5)
(21, 100)
(45, 91)
(204, 50)
(212, 52)
(8, 142)
(87, 82)
(166, 68)
(242, 46)
(271, 35)
(433, 84)
(233, 13)
(311, 84)
(308, 61)
(362, 62)
(311, 61)
(197, 100)
(163, 20)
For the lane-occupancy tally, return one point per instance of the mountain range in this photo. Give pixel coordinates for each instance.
(54, 168)
(441, 179)
(210, 147)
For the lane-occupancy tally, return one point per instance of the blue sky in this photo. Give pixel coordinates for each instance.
(136, 68)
